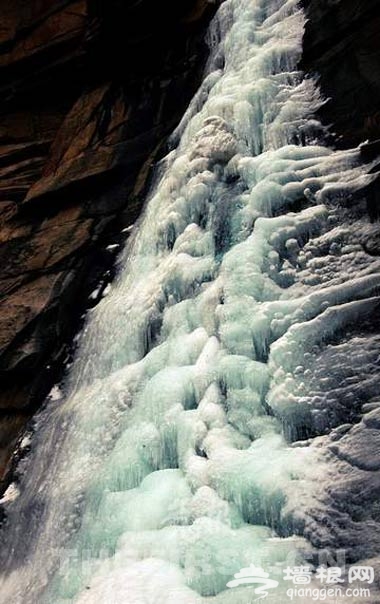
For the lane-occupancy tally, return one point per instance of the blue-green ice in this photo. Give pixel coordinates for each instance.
(166, 461)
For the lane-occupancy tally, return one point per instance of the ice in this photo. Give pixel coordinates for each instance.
(10, 494)
(194, 434)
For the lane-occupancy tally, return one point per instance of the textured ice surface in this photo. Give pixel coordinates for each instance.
(208, 417)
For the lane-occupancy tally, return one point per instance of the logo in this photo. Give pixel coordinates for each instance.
(254, 575)
(316, 584)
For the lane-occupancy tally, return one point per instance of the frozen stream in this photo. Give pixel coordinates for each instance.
(237, 326)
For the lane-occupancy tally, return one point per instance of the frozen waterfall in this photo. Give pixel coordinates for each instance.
(194, 434)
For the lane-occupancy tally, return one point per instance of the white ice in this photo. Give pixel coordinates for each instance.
(166, 469)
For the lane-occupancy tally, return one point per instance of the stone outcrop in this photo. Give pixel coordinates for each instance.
(90, 91)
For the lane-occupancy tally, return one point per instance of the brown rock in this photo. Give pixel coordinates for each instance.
(27, 32)
(50, 244)
(20, 308)
(10, 426)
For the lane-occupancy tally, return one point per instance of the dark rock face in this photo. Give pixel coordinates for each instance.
(89, 93)
(341, 47)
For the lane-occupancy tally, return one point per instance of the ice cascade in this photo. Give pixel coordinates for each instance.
(169, 463)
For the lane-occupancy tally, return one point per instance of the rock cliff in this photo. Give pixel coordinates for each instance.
(89, 92)
(341, 47)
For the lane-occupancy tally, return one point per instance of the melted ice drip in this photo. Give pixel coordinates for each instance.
(165, 471)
